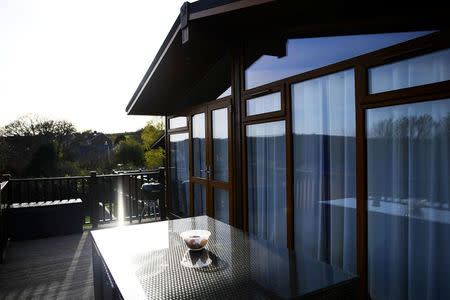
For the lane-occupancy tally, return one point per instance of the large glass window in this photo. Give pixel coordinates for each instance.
(266, 181)
(199, 146)
(264, 104)
(177, 122)
(408, 201)
(307, 54)
(221, 205)
(179, 173)
(220, 144)
(323, 120)
(420, 70)
(199, 199)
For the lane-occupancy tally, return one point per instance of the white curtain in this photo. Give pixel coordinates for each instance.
(179, 173)
(266, 181)
(324, 169)
(408, 201)
(420, 70)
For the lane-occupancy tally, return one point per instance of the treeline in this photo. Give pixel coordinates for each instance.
(32, 146)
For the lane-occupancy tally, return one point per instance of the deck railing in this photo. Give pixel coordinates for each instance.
(4, 198)
(105, 198)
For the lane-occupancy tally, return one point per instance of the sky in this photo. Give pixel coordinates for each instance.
(79, 60)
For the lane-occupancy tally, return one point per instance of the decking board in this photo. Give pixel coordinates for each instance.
(50, 268)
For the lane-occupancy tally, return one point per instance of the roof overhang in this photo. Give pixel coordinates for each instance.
(185, 74)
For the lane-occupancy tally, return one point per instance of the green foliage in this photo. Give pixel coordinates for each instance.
(131, 153)
(151, 132)
(154, 158)
(32, 146)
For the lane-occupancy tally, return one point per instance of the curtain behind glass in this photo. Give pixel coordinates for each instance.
(408, 201)
(179, 173)
(266, 180)
(198, 145)
(324, 169)
(419, 70)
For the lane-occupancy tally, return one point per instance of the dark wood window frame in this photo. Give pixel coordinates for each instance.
(363, 100)
(178, 129)
(210, 184)
(168, 190)
(264, 90)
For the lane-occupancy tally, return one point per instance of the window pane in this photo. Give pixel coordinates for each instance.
(179, 173)
(304, 55)
(221, 205)
(264, 104)
(266, 180)
(177, 122)
(425, 69)
(408, 200)
(199, 199)
(323, 121)
(220, 144)
(199, 146)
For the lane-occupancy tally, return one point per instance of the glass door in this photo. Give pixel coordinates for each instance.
(200, 170)
(211, 161)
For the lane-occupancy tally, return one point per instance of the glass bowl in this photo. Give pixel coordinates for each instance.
(195, 239)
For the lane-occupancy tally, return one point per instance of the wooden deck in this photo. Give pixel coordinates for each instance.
(51, 268)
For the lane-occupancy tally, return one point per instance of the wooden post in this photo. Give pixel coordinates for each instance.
(162, 195)
(93, 200)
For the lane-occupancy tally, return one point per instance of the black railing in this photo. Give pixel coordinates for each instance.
(105, 198)
(4, 198)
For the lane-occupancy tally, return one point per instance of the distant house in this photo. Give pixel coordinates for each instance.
(94, 144)
(100, 141)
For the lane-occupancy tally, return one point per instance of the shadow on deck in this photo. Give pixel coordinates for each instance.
(50, 268)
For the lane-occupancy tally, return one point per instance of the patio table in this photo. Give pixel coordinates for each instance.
(151, 261)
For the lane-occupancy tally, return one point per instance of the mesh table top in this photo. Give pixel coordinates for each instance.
(145, 262)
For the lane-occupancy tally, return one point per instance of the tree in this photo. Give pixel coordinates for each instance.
(154, 158)
(130, 153)
(34, 125)
(151, 132)
(31, 141)
(43, 161)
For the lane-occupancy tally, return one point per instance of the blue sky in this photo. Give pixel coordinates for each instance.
(79, 60)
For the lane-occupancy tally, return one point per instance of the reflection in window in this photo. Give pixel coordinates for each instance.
(177, 122)
(221, 205)
(420, 70)
(266, 180)
(304, 55)
(179, 173)
(323, 118)
(264, 104)
(199, 199)
(199, 146)
(220, 144)
(408, 200)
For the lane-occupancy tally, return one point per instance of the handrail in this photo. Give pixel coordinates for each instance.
(102, 195)
(83, 177)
